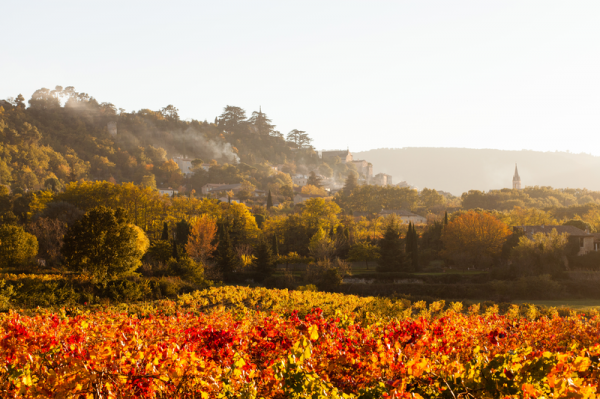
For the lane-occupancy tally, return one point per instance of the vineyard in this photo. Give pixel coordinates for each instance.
(235, 342)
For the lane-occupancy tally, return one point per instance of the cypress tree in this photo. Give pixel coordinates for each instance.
(408, 239)
(182, 232)
(415, 250)
(224, 255)
(175, 251)
(392, 257)
(165, 232)
(446, 218)
(269, 201)
(275, 245)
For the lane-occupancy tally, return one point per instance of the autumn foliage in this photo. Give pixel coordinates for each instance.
(474, 237)
(200, 241)
(193, 350)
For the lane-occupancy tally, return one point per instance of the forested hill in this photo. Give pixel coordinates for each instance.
(459, 170)
(60, 136)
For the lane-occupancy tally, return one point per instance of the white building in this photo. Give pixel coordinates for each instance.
(405, 216)
(169, 191)
(185, 165)
(300, 180)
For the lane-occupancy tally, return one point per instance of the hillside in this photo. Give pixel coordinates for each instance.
(459, 170)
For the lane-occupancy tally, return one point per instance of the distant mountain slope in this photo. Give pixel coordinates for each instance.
(458, 170)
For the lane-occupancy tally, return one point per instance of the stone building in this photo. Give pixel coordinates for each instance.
(586, 240)
(185, 165)
(382, 179)
(345, 155)
(364, 169)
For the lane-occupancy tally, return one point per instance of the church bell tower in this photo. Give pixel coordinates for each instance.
(517, 180)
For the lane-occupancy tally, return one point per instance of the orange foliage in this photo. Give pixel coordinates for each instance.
(474, 237)
(174, 353)
(202, 234)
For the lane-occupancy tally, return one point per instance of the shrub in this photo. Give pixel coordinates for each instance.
(17, 247)
(308, 287)
(187, 269)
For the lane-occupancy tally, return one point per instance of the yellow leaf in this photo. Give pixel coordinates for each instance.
(314, 332)
(27, 380)
(84, 324)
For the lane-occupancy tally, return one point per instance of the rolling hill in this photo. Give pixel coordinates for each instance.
(458, 170)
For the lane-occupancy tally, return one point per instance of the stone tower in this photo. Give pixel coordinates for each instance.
(517, 180)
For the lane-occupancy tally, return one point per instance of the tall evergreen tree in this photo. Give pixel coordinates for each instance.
(392, 256)
(408, 239)
(275, 245)
(313, 180)
(224, 255)
(269, 201)
(175, 253)
(265, 263)
(446, 218)
(414, 251)
(350, 184)
(165, 232)
(182, 232)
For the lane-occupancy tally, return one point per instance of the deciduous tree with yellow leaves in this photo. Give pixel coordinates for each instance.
(474, 239)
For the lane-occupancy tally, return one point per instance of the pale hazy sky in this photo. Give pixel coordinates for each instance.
(359, 74)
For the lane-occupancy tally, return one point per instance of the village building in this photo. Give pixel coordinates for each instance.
(299, 197)
(300, 180)
(185, 165)
(587, 241)
(344, 155)
(215, 188)
(364, 169)
(405, 216)
(169, 191)
(382, 179)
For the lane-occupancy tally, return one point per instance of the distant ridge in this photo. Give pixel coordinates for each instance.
(458, 170)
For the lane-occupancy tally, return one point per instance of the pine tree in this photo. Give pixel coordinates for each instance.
(446, 218)
(165, 232)
(265, 264)
(350, 185)
(269, 201)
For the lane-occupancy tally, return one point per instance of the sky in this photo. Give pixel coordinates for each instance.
(359, 74)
